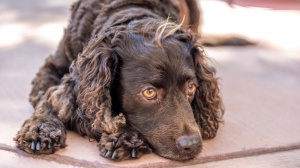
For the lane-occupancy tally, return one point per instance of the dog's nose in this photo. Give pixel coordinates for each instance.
(188, 143)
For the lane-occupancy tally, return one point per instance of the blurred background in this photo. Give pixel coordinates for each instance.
(260, 83)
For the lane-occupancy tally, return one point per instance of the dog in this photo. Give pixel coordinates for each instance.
(130, 75)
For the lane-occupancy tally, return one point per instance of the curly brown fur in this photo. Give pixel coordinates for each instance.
(43, 132)
(111, 54)
(207, 105)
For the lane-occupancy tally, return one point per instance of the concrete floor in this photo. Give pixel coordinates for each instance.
(260, 86)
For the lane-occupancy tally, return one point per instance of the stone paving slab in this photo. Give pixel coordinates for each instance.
(288, 159)
(261, 117)
(260, 86)
(13, 160)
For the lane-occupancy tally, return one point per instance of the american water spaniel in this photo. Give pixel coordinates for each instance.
(130, 75)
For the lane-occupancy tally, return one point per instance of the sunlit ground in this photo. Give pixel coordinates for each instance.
(278, 28)
(19, 23)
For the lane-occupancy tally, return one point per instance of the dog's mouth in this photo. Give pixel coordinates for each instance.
(180, 150)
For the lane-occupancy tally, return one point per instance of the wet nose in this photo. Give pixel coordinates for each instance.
(188, 143)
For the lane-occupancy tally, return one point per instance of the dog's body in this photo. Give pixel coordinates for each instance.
(127, 78)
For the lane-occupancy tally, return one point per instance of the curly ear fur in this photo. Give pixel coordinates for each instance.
(207, 105)
(95, 69)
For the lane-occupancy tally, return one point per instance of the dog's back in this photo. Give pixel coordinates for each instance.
(91, 18)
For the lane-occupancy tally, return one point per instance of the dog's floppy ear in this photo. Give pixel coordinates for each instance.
(95, 68)
(207, 104)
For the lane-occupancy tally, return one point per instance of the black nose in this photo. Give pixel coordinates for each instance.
(188, 143)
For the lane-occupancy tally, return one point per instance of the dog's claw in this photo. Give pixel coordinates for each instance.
(32, 146)
(49, 145)
(102, 150)
(38, 146)
(114, 155)
(133, 153)
(107, 154)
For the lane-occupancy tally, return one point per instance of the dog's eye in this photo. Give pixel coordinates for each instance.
(149, 93)
(191, 89)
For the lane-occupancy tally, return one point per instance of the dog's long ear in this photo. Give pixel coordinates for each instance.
(95, 68)
(207, 104)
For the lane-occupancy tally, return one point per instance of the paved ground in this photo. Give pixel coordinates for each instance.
(260, 85)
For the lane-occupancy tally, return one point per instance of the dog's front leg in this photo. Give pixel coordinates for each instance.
(43, 132)
(123, 145)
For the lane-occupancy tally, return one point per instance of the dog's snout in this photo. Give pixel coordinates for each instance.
(188, 143)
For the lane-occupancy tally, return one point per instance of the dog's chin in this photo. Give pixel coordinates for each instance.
(177, 156)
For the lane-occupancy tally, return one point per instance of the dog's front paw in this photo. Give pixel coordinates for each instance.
(123, 146)
(41, 136)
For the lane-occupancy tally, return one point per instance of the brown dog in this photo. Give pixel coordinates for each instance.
(129, 74)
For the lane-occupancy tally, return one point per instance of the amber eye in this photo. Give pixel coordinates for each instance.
(191, 89)
(149, 93)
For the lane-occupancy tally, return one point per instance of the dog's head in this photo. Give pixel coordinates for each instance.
(155, 74)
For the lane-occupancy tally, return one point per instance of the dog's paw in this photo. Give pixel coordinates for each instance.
(123, 146)
(41, 136)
